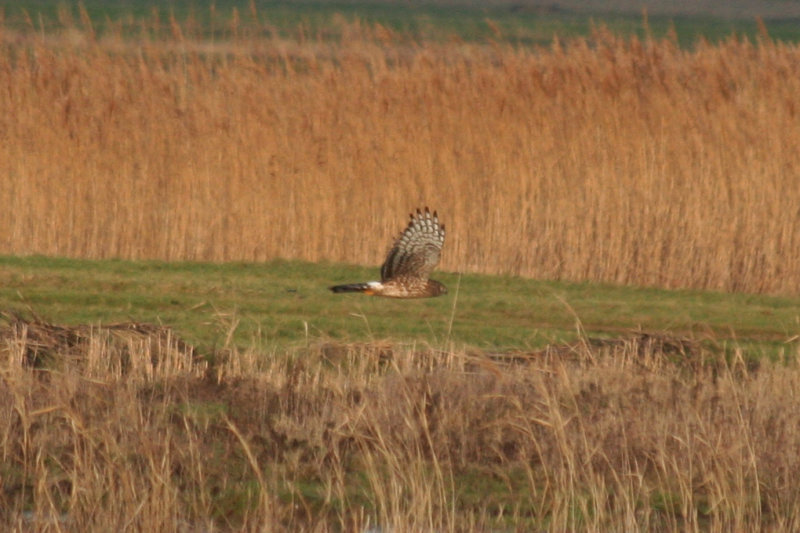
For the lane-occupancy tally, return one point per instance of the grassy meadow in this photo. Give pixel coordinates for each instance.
(617, 352)
(284, 304)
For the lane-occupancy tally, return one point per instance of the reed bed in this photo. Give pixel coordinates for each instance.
(637, 434)
(603, 158)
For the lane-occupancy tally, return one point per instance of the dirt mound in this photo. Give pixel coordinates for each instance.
(647, 348)
(122, 346)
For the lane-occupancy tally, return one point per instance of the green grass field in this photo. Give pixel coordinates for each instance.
(285, 304)
(521, 23)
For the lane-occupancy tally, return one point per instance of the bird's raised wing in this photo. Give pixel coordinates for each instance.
(416, 251)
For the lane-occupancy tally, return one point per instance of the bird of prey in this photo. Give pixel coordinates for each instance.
(408, 266)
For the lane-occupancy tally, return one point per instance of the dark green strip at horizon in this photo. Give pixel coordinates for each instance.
(519, 24)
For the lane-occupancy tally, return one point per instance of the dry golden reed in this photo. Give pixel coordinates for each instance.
(633, 435)
(600, 159)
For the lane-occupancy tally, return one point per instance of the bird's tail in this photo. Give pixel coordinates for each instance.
(353, 287)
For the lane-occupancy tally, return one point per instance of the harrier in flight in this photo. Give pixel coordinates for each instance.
(414, 255)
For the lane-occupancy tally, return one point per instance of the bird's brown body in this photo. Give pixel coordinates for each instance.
(409, 263)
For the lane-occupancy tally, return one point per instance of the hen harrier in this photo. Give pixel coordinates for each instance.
(410, 262)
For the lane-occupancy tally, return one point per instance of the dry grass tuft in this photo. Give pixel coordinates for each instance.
(618, 436)
(597, 159)
(115, 348)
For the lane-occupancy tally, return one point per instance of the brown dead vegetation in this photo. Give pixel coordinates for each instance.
(627, 161)
(612, 435)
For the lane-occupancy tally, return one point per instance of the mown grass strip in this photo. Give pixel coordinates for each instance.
(286, 303)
